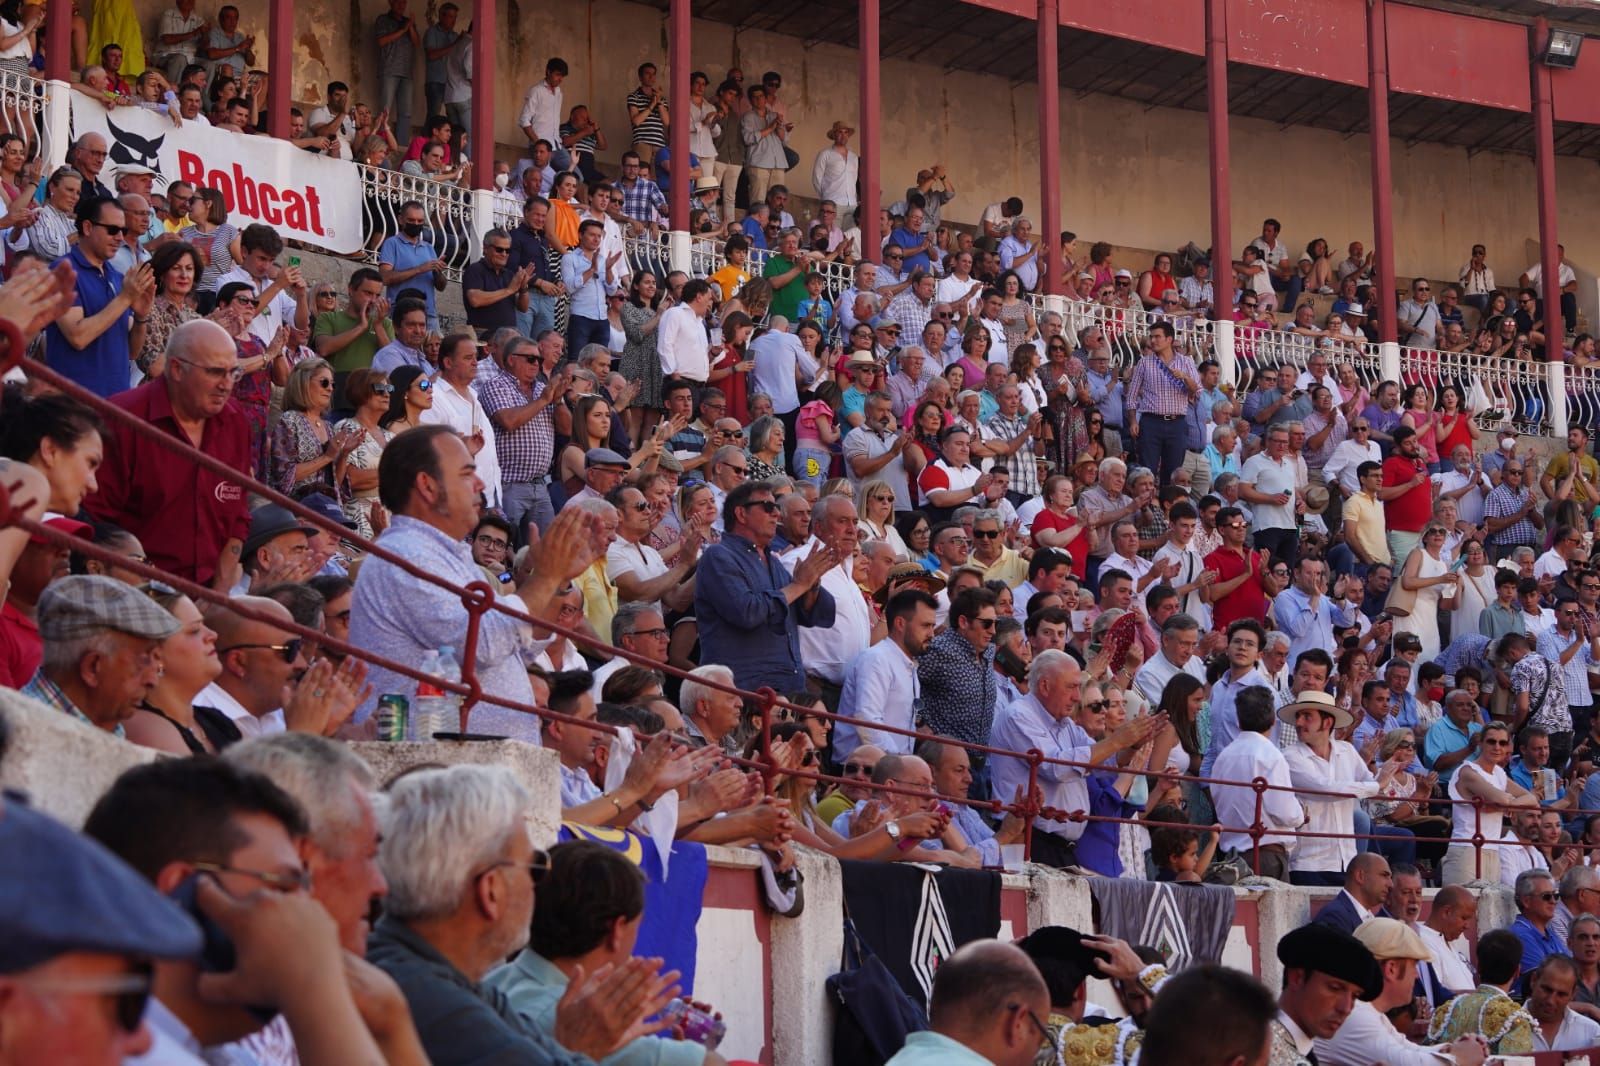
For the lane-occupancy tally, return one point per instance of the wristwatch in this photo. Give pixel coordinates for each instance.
(894, 831)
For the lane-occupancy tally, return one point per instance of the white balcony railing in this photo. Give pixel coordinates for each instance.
(453, 223)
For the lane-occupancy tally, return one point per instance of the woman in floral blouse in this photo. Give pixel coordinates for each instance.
(260, 366)
(307, 454)
(177, 268)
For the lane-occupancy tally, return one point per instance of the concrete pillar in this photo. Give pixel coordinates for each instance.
(805, 950)
(1224, 352)
(1556, 386)
(1049, 28)
(1389, 359)
(680, 248)
(58, 762)
(280, 46)
(538, 769)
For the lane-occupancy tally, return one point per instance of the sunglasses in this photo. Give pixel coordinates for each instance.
(1096, 706)
(131, 992)
(856, 769)
(288, 651)
(383, 389)
(769, 506)
(986, 534)
(425, 384)
(987, 623)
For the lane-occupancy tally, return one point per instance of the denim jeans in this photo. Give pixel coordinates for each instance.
(395, 98)
(1163, 443)
(804, 457)
(526, 501)
(433, 93)
(581, 331)
(540, 315)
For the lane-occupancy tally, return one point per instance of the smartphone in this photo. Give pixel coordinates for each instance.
(217, 954)
(294, 260)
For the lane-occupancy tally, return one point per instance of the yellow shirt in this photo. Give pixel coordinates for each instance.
(177, 225)
(1011, 568)
(599, 597)
(1589, 473)
(730, 279)
(1365, 528)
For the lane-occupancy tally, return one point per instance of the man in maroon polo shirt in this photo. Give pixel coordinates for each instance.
(191, 521)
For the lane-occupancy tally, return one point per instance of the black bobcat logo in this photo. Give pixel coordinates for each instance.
(130, 148)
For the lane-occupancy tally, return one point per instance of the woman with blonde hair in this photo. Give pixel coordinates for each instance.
(875, 515)
(308, 455)
(367, 391)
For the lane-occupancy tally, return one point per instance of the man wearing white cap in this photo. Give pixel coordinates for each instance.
(1324, 764)
(1367, 1035)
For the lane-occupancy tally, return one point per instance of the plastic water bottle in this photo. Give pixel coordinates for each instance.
(449, 716)
(427, 707)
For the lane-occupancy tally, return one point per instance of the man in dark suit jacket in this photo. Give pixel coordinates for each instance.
(1366, 886)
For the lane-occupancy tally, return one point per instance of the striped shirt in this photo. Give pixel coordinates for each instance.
(1158, 388)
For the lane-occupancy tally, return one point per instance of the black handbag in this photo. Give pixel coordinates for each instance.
(875, 1015)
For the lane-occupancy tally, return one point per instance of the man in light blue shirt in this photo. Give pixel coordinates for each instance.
(952, 776)
(1105, 387)
(1304, 611)
(586, 274)
(407, 261)
(1246, 638)
(1451, 740)
(965, 1027)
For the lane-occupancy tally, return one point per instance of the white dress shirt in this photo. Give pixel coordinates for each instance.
(1247, 758)
(1367, 1037)
(1025, 725)
(1452, 964)
(1470, 506)
(1517, 858)
(541, 109)
(827, 650)
(880, 687)
(1190, 567)
(1154, 675)
(682, 344)
(214, 695)
(834, 176)
(463, 412)
(1575, 1034)
(1136, 568)
(1344, 772)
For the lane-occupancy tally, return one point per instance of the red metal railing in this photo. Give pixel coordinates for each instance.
(479, 597)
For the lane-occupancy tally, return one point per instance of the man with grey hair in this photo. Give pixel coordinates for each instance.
(636, 627)
(88, 157)
(335, 788)
(1102, 506)
(136, 223)
(1535, 892)
(1180, 636)
(494, 291)
(1580, 889)
(461, 868)
(1046, 719)
(827, 651)
(730, 467)
(100, 640)
(710, 715)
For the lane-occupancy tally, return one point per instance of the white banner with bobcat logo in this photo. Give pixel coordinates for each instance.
(304, 197)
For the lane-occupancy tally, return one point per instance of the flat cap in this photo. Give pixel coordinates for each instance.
(1390, 938)
(77, 606)
(1337, 954)
(604, 457)
(272, 520)
(61, 892)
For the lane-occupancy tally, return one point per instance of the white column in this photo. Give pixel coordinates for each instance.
(1224, 352)
(57, 134)
(679, 247)
(1556, 387)
(1389, 360)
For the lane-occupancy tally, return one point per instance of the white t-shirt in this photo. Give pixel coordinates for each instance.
(1270, 478)
(345, 131)
(638, 559)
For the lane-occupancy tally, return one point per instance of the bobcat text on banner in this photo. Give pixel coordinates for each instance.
(262, 179)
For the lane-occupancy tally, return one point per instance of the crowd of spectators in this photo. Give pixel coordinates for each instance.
(924, 514)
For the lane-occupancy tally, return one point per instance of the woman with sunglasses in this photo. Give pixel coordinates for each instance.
(1403, 798)
(412, 395)
(1484, 777)
(307, 454)
(260, 366)
(177, 267)
(974, 359)
(367, 392)
(875, 515)
(168, 720)
(214, 237)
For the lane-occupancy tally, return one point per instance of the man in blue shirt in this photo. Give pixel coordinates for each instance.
(584, 272)
(1304, 610)
(91, 343)
(916, 243)
(1536, 899)
(1453, 739)
(749, 608)
(407, 261)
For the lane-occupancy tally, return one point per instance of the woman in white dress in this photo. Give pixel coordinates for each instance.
(1476, 590)
(1428, 575)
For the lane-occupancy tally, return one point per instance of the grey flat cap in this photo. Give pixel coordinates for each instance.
(83, 604)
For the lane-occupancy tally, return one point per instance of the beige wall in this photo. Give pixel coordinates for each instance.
(1132, 175)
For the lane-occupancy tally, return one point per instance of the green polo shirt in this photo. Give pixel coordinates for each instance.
(356, 355)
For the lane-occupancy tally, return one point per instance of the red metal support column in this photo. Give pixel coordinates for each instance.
(1217, 128)
(1049, 27)
(1544, 169)
(1382, 170)
(485, 36)
(58, 40)
(871, 99)
(678, 135)
(280, 51)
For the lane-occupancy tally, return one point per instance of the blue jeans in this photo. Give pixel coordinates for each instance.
(1399, 845)
(526, 501)
(804, 457)
(395, 98)
(1163, 443)
(433, 93)
(540, 315)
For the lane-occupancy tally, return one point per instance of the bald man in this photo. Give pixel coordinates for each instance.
(1449, 972)
(1366, 886)
(988, 1001)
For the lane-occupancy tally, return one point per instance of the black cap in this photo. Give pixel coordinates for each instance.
(61, 892)
(1327, 950)
(1063, 959)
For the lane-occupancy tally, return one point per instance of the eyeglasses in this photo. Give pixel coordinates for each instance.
(1497, 743)
(327, 296)
(383, 388)
(500, 249)
(215, 373)
(289, 650)
(323, 383)
(769, 506)
(130, 990)
(658, 631)
(1548, 897)
(729, 466)
(883, 499)
(537, 867)
(115, 231)
(986, 534)
(1248, 306)
(489, 541)
(298, 881)
(158, 589)
(986, 623)
(1361, 429)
